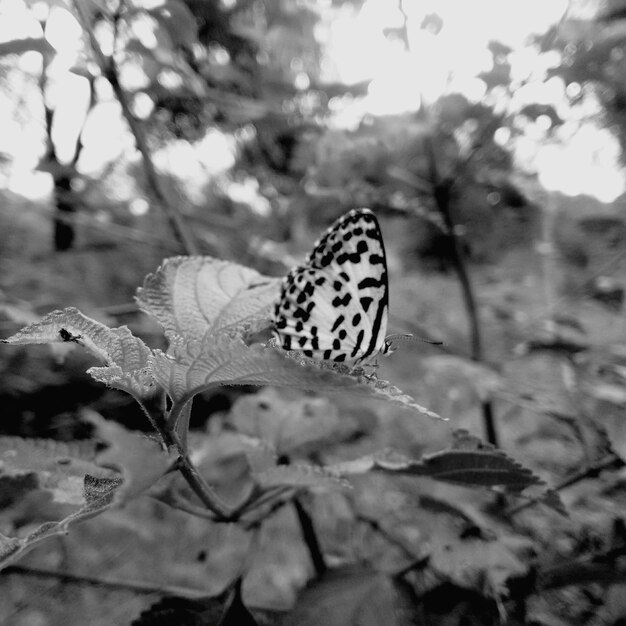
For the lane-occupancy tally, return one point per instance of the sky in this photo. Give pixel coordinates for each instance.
(579, 158)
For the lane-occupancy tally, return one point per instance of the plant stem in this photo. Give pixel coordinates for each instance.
(310, 538)
(199, 486)
(442, 189)
(105, 582)
(109, 71)
(611, 461)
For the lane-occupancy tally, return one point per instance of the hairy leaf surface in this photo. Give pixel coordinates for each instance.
(125, 355)
(195, 296)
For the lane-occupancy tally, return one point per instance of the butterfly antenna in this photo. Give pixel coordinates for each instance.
(408, 337)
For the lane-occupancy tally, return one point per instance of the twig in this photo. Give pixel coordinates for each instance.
(109, 70)
(441, 193)
(310, 538)
(199, 486)
(107, 582)
(611, 461)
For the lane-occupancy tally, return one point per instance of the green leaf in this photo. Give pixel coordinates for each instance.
(97, 496)
(19, 46)
(291, 424)
(192, 367)
(194, 296)
(472, 468)
(125, 355)
(141, 459)
(59, 467)
(353, 597)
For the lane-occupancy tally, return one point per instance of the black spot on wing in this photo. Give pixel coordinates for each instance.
(366, 302)
(337, 301)
(356, 320)
(372, 282)
(357, 345)
(338, 322)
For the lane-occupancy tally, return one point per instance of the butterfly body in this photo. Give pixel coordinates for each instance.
(334, 306)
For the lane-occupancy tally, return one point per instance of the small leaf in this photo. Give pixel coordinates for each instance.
(58, 466)
(19, 46)
(96, 501)
(194, 296)
(141, 460)
(479, 468)
(126, 356)
(353, 597)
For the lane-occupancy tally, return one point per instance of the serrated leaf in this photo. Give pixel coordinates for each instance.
(126, 356)
(141, 459)
(475, 468)
(59, 467)
(19, 46)
(310, 476)
(225, 360)
(194, 296)
(353, 597)
(97, 498)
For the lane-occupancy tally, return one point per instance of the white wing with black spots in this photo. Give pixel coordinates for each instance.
(334, 306)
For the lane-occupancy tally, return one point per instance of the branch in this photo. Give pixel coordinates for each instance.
(441, 191)
(199, 486)
(109, 70)
(310, 538)
(106, 582)
(611, 461)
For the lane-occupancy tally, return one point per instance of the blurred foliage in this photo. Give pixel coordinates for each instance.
(238, 89)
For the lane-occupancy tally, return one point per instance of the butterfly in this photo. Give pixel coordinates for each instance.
(334, 307)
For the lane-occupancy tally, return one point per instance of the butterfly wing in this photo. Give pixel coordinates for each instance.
(334, 306)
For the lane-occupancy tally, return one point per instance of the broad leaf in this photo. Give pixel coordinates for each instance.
(472, 468)
(125, 355)
(194, 296)
(353, 597)
(141, 459)
(224, 360)
(290, 424)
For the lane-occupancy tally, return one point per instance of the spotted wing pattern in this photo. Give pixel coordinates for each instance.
(334, 306)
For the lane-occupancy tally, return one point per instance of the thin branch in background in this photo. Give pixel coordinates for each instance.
(116, 584)
(611, 461)
(109, 71)
(442, 189)
(310, 538)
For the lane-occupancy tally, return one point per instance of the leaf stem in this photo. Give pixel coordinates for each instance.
(310, 538)
(207, 495)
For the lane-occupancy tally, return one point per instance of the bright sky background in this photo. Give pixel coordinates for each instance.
(578, 158)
